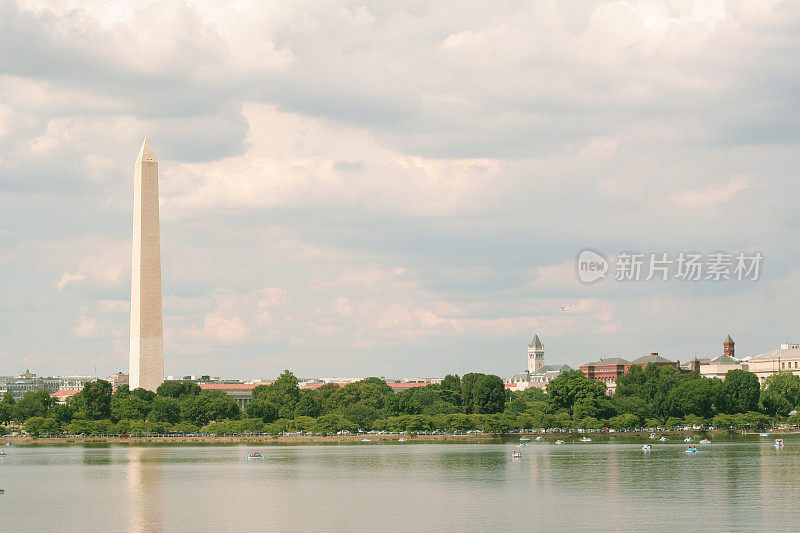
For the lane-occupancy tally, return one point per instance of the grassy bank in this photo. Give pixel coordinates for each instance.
(356, 439)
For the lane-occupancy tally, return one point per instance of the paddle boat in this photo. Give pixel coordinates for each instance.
(763, 434)
(779, 443)
(255, 455)
(705, 441)
(3, 452)
(687, 439)
(366, 440)
(653, 436)
(691, 449)
(9, 443)
(524, 438)
(586, 439)
(401, 439)
(522, 445)
(663, 439)
(538, 438)
(516, 454)
(559, 441)
(647, 447)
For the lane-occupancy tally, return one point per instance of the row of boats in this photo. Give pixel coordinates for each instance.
(645, 447)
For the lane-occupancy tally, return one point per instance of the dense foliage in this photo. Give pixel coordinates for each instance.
(645, 397)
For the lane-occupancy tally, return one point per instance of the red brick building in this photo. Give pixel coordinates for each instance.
(609, 369)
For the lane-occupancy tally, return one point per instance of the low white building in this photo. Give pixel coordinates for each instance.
(784, 359)
(718, 367)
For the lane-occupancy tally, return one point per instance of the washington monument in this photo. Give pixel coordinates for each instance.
(147, 334)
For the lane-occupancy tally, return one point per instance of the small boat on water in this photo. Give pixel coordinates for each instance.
(2, 491)
(691, 449)
(401, 439)
(779, 443)
(653, 436)
(559, 441)
(687, 439)
(366, 440)
(705, 441)
(524, 438)
(586, 439)
(763, 434)
(255, 455)
(3, 452)
(522, 445)
(647, 447)
(663, 439)
(516, 454)
(538, 438)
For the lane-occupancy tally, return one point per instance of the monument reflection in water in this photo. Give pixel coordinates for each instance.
(143, 477)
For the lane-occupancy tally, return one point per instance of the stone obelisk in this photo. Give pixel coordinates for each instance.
(147, 334)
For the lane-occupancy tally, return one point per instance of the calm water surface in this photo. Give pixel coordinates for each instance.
(732, 485)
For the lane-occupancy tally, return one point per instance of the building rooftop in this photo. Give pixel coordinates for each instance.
(552, 368)
(536, 343)
(790, 351)
(607, 361)
(724, 360)
(652, 358)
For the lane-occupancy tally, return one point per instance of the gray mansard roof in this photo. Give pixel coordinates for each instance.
(552, 368)
(610, 361)
(724, 360)
(651, 359)
(791, 353)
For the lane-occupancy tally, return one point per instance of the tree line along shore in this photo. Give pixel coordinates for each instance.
(649, 397)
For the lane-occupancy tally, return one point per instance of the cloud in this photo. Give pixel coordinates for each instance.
(227, 330)
(68, 278)
(711, 197)
(395, 187)
(86, 328)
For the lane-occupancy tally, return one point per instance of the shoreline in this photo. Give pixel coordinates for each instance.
(349, 439)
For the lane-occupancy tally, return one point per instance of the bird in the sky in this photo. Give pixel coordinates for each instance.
(565, 308)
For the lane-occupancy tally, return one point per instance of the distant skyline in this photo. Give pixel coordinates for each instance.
(370, 189)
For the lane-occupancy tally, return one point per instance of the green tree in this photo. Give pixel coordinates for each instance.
(60, 413)
(774, 403)
(178, 389)
(624, 421)
(361, 414)
(165, 409)
(284, 393)
(572, 386)
(209, 405)
(701, 397)
(593, 407)
(33, 403)
(7, 408)
(468, 382)
(451, 389)
(786, 385)
(262, 409)
(741, 391)
(97, 395)
(308, 405)
(488, 395)
(129, 406)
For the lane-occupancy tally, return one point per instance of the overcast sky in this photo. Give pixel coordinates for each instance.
(395, 188)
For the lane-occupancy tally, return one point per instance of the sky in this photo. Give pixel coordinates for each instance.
(396, 189)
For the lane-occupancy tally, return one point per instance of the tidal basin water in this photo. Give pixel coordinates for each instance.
(743, 484)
